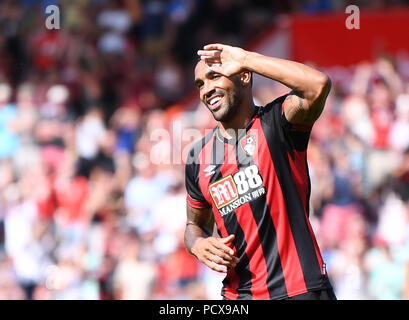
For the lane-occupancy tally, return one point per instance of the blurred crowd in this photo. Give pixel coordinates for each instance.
(92, 197)
(359, 160)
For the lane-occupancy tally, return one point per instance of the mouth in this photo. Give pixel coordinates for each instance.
(214, 101)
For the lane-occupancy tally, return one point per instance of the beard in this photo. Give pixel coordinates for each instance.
(225, 113)
(229, 107)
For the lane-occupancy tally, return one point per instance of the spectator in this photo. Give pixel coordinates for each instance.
(8, 139)
(133, 279)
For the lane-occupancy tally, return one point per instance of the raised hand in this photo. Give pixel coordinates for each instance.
(215, 253)
(223, 59)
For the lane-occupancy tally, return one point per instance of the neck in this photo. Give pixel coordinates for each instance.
(243, 116)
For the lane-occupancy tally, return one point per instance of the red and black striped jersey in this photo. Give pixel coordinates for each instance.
(258, 187)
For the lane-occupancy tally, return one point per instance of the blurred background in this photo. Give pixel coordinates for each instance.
(92, 206)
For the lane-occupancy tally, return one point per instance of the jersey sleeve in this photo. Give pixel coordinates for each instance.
(194, 196)
(297, 135)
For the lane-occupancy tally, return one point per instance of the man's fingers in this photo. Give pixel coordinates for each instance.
(214, 266)
(215, 254)
(210, 59)
(211, 62)
(223, 259)
(215, 262)
(209, 53)
(221, 253)
(218, 260)
(214, 46)
(228, 239)
(221, 245)
(217, 268)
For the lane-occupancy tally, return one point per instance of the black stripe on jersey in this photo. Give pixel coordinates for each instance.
(233, 227)
(218, 151)
(307, 201)
(193, 156)
(296, 216)
(192, 168)
(243, 267)
(267, 235)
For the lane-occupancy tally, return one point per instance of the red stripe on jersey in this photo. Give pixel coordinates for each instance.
(230, 290)
(300, 176)
(254, 251)
(290, 263)
(205, 157)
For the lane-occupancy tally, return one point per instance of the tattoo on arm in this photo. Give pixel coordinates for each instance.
(297, 111)
(291, 97)
(294, 107)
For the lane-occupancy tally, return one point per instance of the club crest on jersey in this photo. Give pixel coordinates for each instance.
(249, 144)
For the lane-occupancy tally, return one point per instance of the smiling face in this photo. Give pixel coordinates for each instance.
(220, 94)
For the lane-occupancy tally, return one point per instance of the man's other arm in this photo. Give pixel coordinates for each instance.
(214, 252)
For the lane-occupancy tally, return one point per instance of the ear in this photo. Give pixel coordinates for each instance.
(245, 78)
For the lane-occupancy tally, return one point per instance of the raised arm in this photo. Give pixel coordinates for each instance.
(310, 87)
(214, 252)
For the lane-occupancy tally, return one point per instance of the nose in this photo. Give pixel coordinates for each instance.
(208, 90)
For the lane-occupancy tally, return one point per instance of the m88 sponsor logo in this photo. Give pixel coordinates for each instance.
(234, 190)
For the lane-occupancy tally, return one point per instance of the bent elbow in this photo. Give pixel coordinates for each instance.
(320, 87)
(325, 84)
